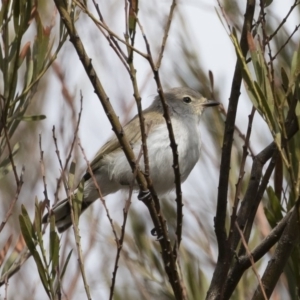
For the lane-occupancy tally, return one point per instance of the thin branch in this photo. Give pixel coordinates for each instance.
(126, 19)
(18, 263)
(224, 15)
(173, 143)
(64, 168)
(138, 101)
(266, 42)
(158, 220)
(283, 20)
(13, 202)
(6, 289)
(241, 174)
(78, 246)
(286, 244)
(72, 211)
(238, 131)
(43, 168)
(243, 262)
(131, 266)
(256, 188)
(111, 40)
(253, 196)
(217, 285)
(70, 197)
(251, 260)
(121, 240)
(90, 170)
(268, 242)
(110, 32)
(166, 33)
(75, 137)
(60, 163)
(10, 153)
(284, 44)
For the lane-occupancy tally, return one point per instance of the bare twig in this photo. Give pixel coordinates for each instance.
(217, 286)
(136, 276)
(43, 168)
(61, 177)
(138, 101)
(90, 170)
(110, 32)
(224, 15)
(13, 202)
(111, 40)
(121, 240)
(166, 33)
(18, 263)
(241, 174)
(239, 132)
(284, 44)
(266, 42)
(173, 143)
(283, 20)
(158, 220)
(73, 218)
(6, 288)
(75, 133)
(286, 244)
(251, 260)
(70, 196)
(243, 262)
(10, 153)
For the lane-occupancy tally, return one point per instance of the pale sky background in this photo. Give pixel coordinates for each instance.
(218, 55)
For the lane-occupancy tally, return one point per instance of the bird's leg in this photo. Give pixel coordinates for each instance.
(144, 195)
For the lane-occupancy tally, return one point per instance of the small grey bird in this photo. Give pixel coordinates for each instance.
(111, 168)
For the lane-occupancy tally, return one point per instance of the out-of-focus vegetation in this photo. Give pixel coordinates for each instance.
(51, 121)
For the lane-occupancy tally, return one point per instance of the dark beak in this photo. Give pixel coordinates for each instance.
(211, 103)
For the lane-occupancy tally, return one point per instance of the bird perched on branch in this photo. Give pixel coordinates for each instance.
(111, 168)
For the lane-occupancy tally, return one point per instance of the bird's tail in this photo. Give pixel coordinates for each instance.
(62, 213)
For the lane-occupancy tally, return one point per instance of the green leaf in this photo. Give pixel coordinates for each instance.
(65, 265)
(54, 247)
(295, 66)
(29, 72)
(298, 112)
(42, 271)
(5, 165)
(77, 202)
(133, 11)
(72, 175)
(38, 219)
(26, 229)
(266, 108)
(267, 3)
(6, 264)
(41, 46)
(16, 14)
(262, 73)
(262, 99)
(30, 118)
(273, 210)
(285, 79)
(28, 223)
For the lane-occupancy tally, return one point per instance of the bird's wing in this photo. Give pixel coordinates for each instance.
(132, 135)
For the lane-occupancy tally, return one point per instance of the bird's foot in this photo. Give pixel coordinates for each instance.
(158, 234)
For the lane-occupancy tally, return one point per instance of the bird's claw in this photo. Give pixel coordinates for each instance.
(159, 236)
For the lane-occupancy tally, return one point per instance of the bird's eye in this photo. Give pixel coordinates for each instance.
(187, 100)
